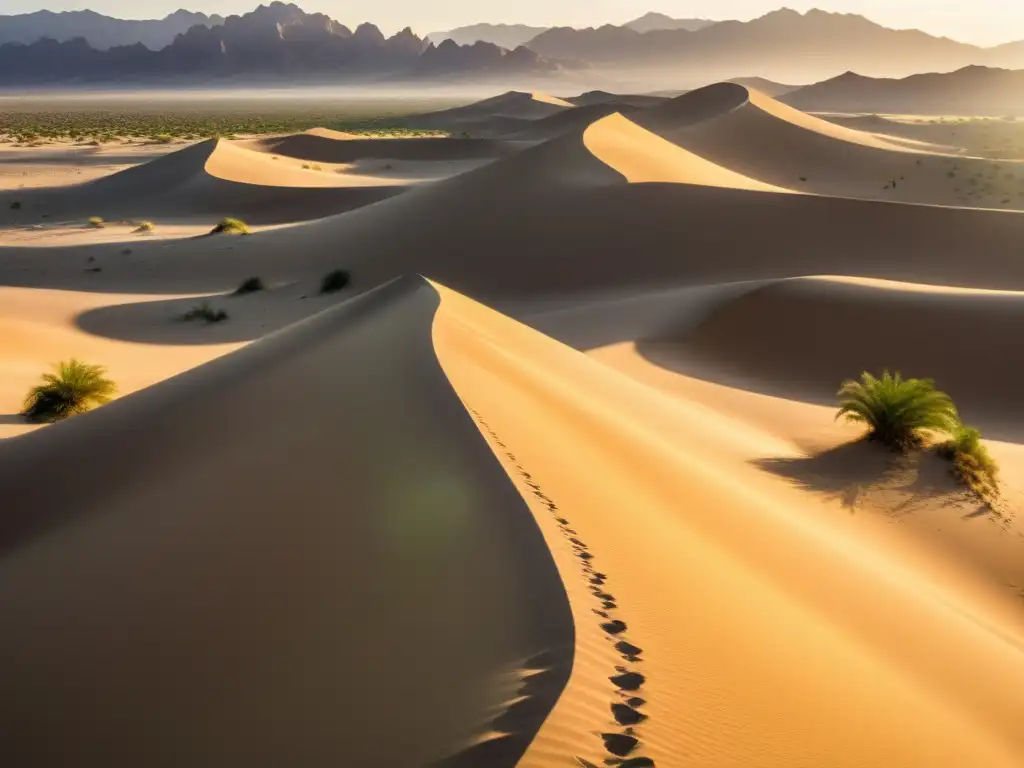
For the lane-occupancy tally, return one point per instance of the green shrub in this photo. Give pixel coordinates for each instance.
(251, 285)
(230, 227)
(896, 410)
(335, 281)
(205, 312)
(96, 222)
(74, 387)
(144, 226)
(972, 463)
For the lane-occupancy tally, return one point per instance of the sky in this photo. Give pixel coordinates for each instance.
(983, 22)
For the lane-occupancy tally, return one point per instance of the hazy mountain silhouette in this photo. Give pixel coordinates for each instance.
(652, 22)
(513, 35)
(968, 91)
(273, 41)
(782, 45)
(101, 32)
(506, 35)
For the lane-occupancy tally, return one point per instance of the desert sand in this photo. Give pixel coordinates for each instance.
(555, 480)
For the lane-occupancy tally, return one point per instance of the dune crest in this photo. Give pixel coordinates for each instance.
(642, 156)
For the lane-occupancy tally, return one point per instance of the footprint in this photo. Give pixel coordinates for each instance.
(637, 762)
(615, 627)
(628, 681)
(619, 744)
(626, 715)
(628, 649)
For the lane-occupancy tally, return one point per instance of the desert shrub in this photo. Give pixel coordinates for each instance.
(96, 222)
(205, 312)
(230, 227)
(896, 410)
(251, 285)
(74, 387)
(16, 205)
(306, 166)
(144, 226)
(972, 464)
(334, 281)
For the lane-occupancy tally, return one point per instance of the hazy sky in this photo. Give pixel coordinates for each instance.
(984, 22)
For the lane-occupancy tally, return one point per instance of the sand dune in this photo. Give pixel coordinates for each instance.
(499, 115)
(755, 571)
(480, 545)
(764, 139)
(641, 156)
(320, 148)
(253, 628)
(207, 181)
(801, 337)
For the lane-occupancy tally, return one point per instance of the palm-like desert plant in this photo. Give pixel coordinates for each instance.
(972, 464)
(230, 227)
(334, 281)
(896, 410)
(74, 387)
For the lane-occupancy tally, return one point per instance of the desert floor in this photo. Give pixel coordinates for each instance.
(554, 481)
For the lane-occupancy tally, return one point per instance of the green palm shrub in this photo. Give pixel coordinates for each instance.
(897, 410)
(95, 222)
(205, 312)
(74, 387)
(972, 463)
(144, 226)
(250, 285)
(230, 227)
(334, 281)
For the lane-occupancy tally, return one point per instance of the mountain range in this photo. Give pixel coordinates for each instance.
(514, 35)
(968, 91)
(654, 51)
(783, 45)
(274, 41)
(101, 32)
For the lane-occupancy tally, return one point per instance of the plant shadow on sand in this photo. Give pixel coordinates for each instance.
(864, 471)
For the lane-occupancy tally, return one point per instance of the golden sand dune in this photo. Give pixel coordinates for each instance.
(642, 156)
(315, 146)
(288, 578)
(764, 139)
(507, 113)
(801, 337)
(778, 612)
(644, 552)
(208, 181)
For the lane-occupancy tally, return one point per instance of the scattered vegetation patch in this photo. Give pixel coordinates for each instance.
(97, 122)
(95, 222)
(897, 411)
(335, 281)
(74, 387)
(230, 227)
(206, 313)
(144, 226)
(251, 285)
(972, 464)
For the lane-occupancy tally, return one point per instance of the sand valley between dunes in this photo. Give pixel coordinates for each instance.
(553, 480)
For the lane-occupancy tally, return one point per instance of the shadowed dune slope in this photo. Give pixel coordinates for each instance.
(208, 181)
(318, 148)
(641, 156)
(260, 590)
(764, 139)
(767, 635)
(501, 114)
(485, 232)
(801, 337)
